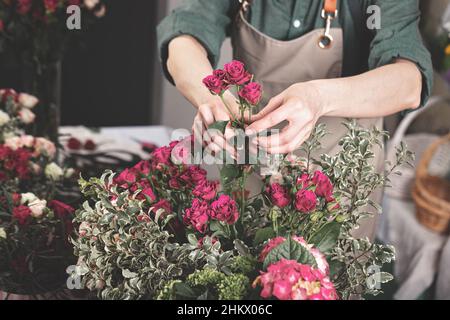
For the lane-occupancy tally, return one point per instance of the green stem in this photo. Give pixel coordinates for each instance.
(228, 107)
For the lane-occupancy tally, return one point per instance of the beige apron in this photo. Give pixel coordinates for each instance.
(279, 64)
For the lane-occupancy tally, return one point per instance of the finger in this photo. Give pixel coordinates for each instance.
(286, 136)
(294, 144)
(273, 104)
(270, 120)
(198, 128)
(222, 144)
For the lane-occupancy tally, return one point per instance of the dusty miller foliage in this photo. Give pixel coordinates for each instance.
(357, 262)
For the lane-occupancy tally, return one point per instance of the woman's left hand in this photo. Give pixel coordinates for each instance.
(300, 105)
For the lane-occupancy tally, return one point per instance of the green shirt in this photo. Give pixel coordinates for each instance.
(210, 22)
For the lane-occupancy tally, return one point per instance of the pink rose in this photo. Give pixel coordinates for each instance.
(236, 73)
(126, 178)
(143, 167)
(193, 175)
(147, 193)
(182, 152)
(305, 201)
(278, 195)
(44, 146)
(324, 187)
(214, 84)
(197, 215)
(225, 209)
(162, 156)
(252, 93)
(206, 190)
(303, 181)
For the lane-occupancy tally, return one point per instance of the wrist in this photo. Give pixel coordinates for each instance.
(319, 95)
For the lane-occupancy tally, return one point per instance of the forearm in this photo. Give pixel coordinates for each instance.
(188, 64)
(377, 93)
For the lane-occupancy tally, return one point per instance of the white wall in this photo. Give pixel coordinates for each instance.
(176, 111)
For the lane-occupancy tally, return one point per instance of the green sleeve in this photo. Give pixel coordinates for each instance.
(206, 20)
(399, 37)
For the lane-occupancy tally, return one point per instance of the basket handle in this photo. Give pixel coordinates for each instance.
(406, 122)
(422, 168)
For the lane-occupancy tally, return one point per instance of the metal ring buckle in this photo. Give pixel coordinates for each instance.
(326, 40)
(244, 4)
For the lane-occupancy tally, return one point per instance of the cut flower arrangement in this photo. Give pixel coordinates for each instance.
(163, 230)
(34, 222)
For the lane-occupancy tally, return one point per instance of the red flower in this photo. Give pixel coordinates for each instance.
(74, 144)
(21, 213)
(225, 209)
(60, 208)
(324, 187)
(252, 93)
(147, 193)
(278, 195)
(2, 25)
(214, 84)
(90, 145)
(303, 181)
(143, 167)
(23, 6)
(51, 5)
(236, 73)
(305, 201)
(206, 190)
(198, 215)
(193, 175)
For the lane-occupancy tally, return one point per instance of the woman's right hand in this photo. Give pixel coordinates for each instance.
(209, 112)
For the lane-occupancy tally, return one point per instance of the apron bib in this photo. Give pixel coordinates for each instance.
(279, 64)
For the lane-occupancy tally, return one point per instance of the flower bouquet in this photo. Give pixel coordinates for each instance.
(33, 38)
(163, 230)
(34, 222)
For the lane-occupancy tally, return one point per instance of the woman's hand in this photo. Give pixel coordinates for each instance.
(211, 111)
(300, 106)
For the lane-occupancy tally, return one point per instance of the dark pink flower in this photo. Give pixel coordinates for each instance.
(198, 215)
(206, 190)
(60, 208)
(147, 194)
(214, 84)
(2, 25)
(162, 204)
(278, 195)
(51, 5)
(126, 178)
(324, 187)
(236, 73)
(225, 209)
(143, 167)
(162, 156)
(23, 6)
(305, 201)
(193, 175)
(252, 93)
(303, 181)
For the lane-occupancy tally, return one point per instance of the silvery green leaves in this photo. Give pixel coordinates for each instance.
(133, 258)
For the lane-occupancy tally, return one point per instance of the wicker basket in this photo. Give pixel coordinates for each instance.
(431, 193)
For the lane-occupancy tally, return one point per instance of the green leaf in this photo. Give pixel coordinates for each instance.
(184, 291)
(128, 274)
(326, 238)
(219, 125)
(290, 250)
(241, 248)
(263, 235)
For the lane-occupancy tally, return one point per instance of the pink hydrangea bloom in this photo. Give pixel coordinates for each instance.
(290, 280)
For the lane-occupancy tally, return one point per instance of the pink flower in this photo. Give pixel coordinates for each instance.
(22, 213)
(278, 195)
(206, 190)
(162, 156)
(252, 93)
(181, 152)
(225, 209)
(273, 243)
(147, 193)
(236, 73)
(214, 84)
(2, 25)
(44, 146)
(162, 204)
(290, 280)
(193, 175)
(198, 215)
(143, 167)
(60, 208)
(324, 187)
(126, 178)
(305, 201)
(303, 181)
